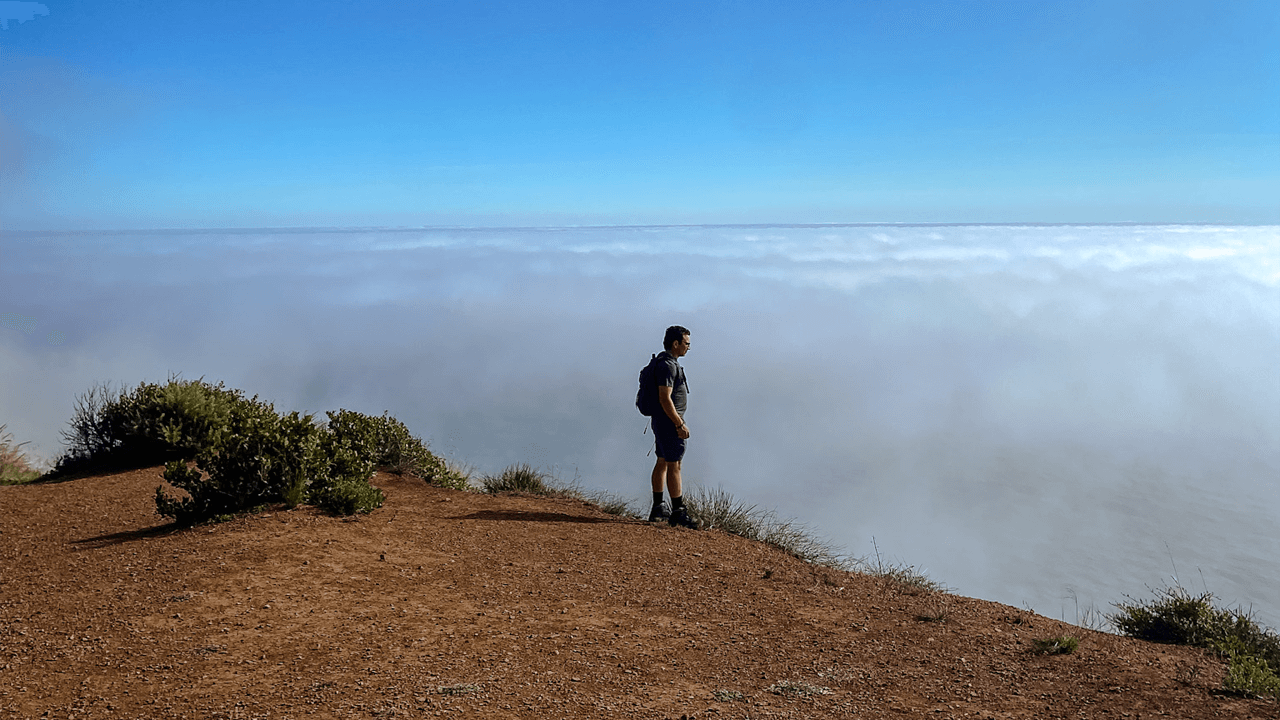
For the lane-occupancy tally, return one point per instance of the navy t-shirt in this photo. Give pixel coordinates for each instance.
(667, 372)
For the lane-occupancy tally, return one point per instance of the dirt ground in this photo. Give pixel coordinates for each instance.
(453, 604)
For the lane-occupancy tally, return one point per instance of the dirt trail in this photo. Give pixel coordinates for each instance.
(452, 604)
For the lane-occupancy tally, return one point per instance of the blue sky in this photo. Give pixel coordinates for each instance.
(198, 114)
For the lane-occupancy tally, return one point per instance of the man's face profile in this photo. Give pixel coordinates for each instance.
(680, 347)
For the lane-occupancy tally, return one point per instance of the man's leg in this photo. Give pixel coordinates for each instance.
(659, 475)
(679, 516)
(670, 451)
(659, 511)
(674, 488)
(668, 474)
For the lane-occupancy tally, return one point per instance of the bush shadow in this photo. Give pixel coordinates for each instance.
(124, 536)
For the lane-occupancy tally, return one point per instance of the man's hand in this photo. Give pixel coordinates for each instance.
(668, 407)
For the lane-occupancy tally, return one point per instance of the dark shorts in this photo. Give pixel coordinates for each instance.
(667, 444)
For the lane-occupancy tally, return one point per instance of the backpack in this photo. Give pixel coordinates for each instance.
(647, 395)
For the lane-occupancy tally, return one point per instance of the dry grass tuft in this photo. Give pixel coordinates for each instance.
(905, 578)
(717, 509)
(1061, 645)
(15, 468)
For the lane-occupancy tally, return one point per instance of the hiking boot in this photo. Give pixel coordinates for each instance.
(680, 518)
(659, 513)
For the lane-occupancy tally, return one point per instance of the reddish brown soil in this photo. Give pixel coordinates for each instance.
(452, 604)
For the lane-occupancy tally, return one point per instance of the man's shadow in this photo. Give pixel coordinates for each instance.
(539, 517)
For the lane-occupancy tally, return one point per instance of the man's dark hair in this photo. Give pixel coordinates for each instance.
(674, 333)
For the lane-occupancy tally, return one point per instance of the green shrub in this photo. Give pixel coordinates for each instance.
(15, 469)
(1252, 676)
(89, 436)
(268, 458)
(386, 442)
(1177, 617)
(178, 419)
(227, 453)
(344, 488)
(152, 423)
(348, 496)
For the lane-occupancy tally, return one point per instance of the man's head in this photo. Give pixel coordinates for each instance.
(676, 341)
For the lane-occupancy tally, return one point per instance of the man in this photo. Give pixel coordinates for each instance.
(669, 428)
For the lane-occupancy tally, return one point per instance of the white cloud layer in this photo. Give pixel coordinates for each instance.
(1023, 410)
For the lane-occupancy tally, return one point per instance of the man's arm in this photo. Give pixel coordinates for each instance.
(668, 407)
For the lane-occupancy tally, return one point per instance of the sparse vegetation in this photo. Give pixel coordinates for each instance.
(1091, 617)
(15, 468)
(1179, 617)
(612, 504)
(523, 478)
(906, 577)
(1061, 645)
(718, 509)
(727, 696)
(1020, 619)
(938, 612)
(226, 453)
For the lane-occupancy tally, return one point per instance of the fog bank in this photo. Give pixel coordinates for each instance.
(1031, 413)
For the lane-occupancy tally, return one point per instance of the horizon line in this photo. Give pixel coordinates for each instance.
(621, 226)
